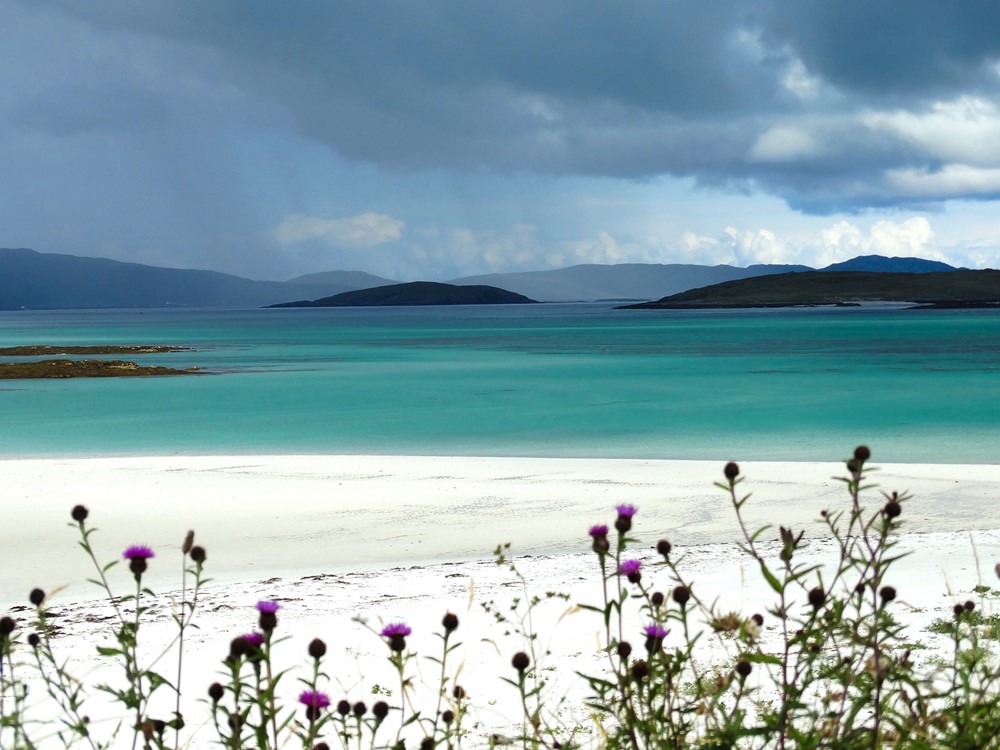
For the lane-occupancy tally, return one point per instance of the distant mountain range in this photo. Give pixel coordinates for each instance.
(624, 281)
(40, 281)
(33, 280)
(881, 264)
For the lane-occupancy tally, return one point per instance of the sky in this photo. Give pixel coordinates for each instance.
(445, 138)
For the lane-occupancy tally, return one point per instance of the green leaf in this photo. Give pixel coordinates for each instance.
(770, 578)
(763, 659)
(156, 680)
(107, 651)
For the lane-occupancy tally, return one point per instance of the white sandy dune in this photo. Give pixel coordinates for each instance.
(409, 538)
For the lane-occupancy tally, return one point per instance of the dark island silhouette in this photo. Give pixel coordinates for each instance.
(948, 289)
(417, 293)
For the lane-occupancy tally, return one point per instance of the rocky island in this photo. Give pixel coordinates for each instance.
(84, 368)
(417, 293)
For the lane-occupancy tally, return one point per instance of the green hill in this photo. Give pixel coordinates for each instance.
(942, 289)
(417, 293)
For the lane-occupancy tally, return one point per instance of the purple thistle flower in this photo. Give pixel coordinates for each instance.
(600, 544)
(254, 639)
(314, 699)
(315, 702)
(655, 634)
(623, 524)
(396, 629)
(396, 632)
(268, 607)
(629, 567)
(655, 631)
(138, 551)
(137, 555)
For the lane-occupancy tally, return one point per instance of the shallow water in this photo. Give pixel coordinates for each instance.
(547, 380)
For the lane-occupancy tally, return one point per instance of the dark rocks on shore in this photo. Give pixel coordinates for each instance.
(84, 368)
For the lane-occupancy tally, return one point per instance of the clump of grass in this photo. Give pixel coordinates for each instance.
(838, 674)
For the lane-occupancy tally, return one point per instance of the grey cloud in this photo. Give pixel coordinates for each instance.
(635, 90)
(920, 49)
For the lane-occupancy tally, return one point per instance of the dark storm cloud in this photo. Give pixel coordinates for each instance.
(917, 49)
(750, 95)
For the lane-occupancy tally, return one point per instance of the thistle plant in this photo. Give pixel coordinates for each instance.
(139, 677)
(839, 675)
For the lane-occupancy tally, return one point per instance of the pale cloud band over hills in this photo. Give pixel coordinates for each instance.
(522, 248)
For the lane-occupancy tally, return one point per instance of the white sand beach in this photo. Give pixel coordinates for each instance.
(409, 538)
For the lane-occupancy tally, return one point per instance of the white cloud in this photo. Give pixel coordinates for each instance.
(842, 240)
(910, 237)
(951, 180)
(364, 230)
(758, 246)
(784, 143)
(965, 130)
(604, 249)
(800, 81)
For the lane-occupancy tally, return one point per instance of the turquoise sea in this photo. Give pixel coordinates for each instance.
(540, 380)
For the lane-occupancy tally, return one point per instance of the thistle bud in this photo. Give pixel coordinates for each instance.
(681, 595)
(520, 662)
(817, 597)
(640, 670)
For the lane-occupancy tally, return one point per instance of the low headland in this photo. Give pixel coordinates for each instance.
(938, 290)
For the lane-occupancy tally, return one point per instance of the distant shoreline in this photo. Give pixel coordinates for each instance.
(915, 305)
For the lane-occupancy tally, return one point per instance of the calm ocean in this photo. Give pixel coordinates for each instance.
(541, 380)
